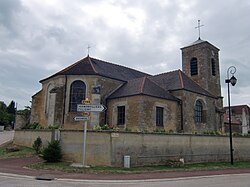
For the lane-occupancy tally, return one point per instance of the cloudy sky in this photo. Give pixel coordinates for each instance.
(39, 38)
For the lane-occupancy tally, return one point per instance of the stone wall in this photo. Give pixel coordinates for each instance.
(27, 137)
(50, 106)
(204, 52)
(21, 120)
(141, 113)
(109, 148)
(212, 120)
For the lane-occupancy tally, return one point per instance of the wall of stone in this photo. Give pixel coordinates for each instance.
(109, 148)
(212, 120)
(21, 120)
(27, 137)
(141, 113)
(204, 52)
(50, 106)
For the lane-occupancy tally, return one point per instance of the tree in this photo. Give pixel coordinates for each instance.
(53, 153)
(4, 116)
(7, 114)
(11, 109)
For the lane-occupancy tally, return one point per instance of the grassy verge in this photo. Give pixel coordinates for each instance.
(65, 166)
(11, 150)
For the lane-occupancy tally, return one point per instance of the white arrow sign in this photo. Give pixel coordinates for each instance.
(90, 108)
(81, 118)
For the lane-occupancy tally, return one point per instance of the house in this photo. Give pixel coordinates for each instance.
(187, 100)
(240, 119)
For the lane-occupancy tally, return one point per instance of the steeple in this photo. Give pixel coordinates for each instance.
(200, 62)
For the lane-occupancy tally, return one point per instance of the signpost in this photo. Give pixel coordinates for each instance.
(90, 108)
(87, 107)
(81, 118)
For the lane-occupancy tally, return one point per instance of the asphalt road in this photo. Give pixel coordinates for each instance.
(233, 180)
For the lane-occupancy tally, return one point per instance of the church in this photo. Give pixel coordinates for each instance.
(180, 101)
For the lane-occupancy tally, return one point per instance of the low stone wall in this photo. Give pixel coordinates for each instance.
(27, 137)
(98, 147)
(109, 148)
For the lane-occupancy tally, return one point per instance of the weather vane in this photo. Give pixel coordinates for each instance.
(199, 28)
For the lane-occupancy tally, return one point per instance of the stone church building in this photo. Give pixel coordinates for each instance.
(187, 100)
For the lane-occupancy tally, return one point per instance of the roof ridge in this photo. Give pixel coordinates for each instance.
(72, 65)
(181, 79)
(89, 59)
(123, 66)
(197, 85)
(143, 84)
(156, 83)
(164, 73)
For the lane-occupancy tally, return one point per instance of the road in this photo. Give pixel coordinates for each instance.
(233, 180)
(6, 136)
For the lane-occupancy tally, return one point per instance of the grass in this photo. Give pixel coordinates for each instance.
(170, 166)
(65, 166)
(20, 151)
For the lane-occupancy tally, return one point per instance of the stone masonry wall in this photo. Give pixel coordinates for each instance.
(141, 113)
(212, 120)
(109, 148)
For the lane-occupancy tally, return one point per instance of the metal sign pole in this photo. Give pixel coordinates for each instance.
(86, 102)
(86, 107)
(84, 143)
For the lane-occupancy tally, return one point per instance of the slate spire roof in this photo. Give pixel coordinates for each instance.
(92, 66)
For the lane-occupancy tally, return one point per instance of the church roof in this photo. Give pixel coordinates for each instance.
(142, 86)
(136, 82)
(199, 41)
(92, 66)
(177, 80)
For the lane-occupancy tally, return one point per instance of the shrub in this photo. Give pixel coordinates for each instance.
(97, 128)
(53, 127)
(33, 126)
(37, 145)
(160, 130)
(53, 153)
(103, 127)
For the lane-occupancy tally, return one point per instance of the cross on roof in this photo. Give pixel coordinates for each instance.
(88, 49)
(198, 27)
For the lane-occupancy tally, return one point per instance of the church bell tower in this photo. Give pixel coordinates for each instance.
(200, 62)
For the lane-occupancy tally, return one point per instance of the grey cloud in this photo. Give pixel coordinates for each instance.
(34, 47)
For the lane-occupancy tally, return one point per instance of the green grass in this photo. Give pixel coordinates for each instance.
(172, 166)
(22, 151)
(65, 166)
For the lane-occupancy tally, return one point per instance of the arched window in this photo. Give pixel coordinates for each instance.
(213, 67)
(193, 66)
(77, 94)
(198, 112)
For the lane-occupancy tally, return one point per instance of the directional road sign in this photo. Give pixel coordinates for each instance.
(81, 118)
(90, 108)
